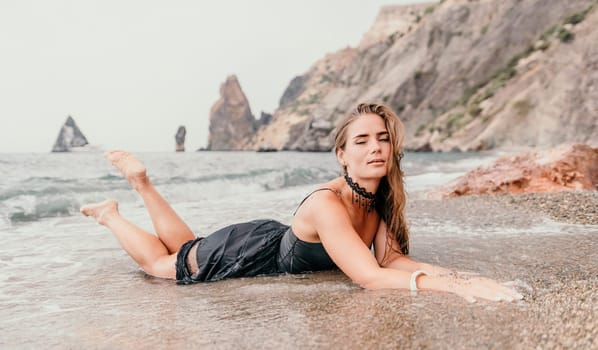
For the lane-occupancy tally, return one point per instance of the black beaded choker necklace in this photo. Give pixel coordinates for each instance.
(363, 197)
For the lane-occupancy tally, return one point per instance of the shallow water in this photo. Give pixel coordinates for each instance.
(67, 284)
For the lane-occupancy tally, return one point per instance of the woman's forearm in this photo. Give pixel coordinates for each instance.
(391, 278)
(405, 263)
(470, 289)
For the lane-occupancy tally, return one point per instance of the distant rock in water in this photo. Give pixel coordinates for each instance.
(180, 139)
(231, 121)
(266, 148)
(567, 167)
(70, 137)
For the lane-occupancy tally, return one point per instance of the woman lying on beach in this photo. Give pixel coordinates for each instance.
(334, 226)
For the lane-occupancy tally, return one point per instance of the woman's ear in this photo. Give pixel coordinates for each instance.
(340, 155)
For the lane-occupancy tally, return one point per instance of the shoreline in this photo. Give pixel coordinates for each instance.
(572, 207)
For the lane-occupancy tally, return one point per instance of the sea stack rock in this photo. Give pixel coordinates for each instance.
(231, 121)
(69, 137)
(180, 139)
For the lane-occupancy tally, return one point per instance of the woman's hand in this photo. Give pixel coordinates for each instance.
(468, 285)
(484, 288)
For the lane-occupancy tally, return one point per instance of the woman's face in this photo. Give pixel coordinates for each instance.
(367, 149)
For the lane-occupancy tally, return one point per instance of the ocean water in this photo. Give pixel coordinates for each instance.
(50, 188)
(66, 279)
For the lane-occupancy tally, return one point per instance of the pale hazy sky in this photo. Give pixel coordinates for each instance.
(131, 72)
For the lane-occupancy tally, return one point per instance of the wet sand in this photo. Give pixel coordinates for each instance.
(553, 263)
(557, 273)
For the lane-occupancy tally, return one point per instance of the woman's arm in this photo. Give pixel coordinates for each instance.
(325, 212)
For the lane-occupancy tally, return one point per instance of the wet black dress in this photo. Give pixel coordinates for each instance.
(259, 247)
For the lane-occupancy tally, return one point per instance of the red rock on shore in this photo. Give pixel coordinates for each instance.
(566, 167)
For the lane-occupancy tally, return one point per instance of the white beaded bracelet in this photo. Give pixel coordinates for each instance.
(412, 281)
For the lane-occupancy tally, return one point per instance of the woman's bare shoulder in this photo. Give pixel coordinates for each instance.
(328, 191)
(335, 185)
(321, 200)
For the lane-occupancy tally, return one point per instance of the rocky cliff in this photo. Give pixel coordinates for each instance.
(463, 75)
(69, 137)
(545, 95)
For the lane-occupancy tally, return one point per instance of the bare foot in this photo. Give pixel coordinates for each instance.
(131, 168)
(100, 211)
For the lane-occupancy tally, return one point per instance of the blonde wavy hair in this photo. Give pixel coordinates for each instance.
(390, 197)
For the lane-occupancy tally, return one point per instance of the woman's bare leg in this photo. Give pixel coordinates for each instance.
(171, 229)
(146, 249)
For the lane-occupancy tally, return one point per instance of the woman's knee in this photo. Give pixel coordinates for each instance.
(162, 267)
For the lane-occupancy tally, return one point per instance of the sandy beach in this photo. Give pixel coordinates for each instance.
(557, 273)
(66, 282)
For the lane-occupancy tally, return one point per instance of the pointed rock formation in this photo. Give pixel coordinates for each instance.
(180, 139)
(69, 137)
(231, 121)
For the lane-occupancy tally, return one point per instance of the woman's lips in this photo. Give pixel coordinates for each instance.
(376, 161)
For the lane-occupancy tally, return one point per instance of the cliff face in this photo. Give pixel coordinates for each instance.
(544, 96)
(460, 73)
(69, 137)
(394, 22)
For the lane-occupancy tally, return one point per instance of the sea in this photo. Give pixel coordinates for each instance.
(66, 283)
(206, 188)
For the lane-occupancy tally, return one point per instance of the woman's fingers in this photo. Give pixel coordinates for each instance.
(491, 290)
(469, 298)
(467, 273)
(485, 288)
(511, 292)
(466, 295)
(503, 291)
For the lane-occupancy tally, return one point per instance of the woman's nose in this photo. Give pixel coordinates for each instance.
(375, 146)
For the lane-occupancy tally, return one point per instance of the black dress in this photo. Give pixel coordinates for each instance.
(259, 247)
